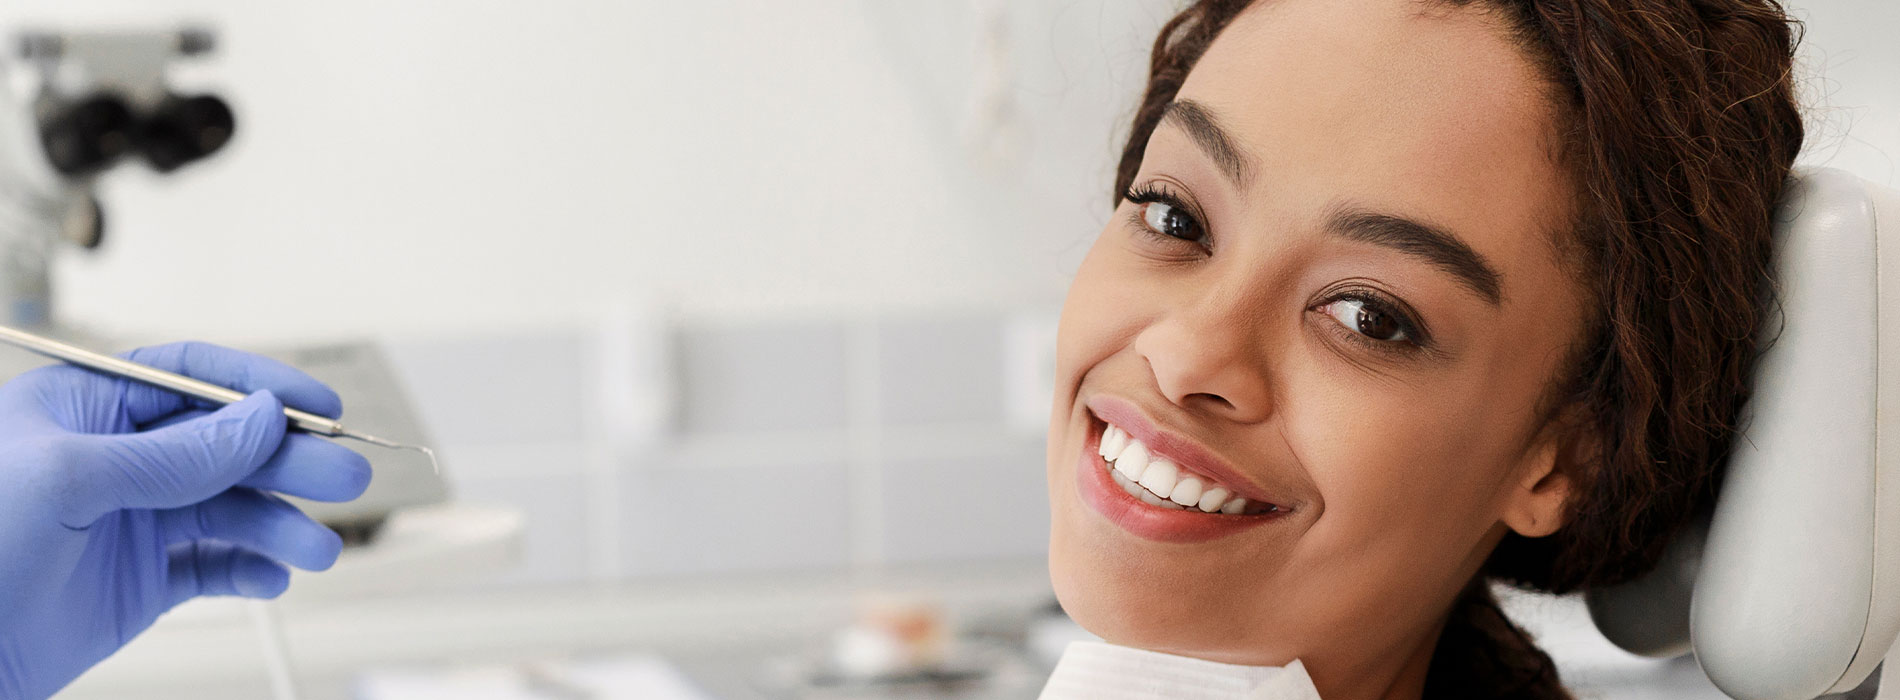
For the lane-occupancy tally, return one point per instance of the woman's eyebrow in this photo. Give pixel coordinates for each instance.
(1200, 124)
(1430, 243)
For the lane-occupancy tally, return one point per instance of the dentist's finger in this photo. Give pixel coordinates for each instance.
(207, 568)
(258, 522)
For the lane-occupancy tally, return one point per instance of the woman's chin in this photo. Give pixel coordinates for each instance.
(1133, 600)
(1123, 618)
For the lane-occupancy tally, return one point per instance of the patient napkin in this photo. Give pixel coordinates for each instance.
(1097, 671)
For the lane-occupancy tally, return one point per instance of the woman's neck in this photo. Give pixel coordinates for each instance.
(1409, 684)
(1375, 678)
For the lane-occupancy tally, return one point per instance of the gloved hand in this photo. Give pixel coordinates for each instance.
(119, 501)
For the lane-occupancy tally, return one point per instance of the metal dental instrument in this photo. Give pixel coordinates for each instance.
(307, 422)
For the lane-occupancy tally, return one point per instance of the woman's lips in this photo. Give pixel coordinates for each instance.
(1152, 522)
(1156, 480)
(1182, 451)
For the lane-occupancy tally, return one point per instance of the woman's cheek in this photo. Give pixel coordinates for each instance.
(1400, 481)
(1105, 306)
(1364, 447)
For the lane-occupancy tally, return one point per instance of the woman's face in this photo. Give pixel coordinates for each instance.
(1334, 291)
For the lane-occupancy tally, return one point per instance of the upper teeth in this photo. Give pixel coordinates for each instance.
(1160, 482)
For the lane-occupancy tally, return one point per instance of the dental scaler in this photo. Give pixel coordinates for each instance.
(107, 364)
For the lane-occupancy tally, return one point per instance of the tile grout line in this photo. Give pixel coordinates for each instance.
(863, 434)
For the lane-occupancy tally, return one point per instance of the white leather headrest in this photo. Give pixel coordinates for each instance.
(1795, 592)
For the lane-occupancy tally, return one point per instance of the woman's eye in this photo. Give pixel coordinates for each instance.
(1367, 320)
(1169, 220)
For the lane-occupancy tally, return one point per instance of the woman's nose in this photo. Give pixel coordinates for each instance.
(1209, 363)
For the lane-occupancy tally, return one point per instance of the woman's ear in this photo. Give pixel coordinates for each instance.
(1539, 493)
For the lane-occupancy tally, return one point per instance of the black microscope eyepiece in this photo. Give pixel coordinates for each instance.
(184, 129)
(89, 135)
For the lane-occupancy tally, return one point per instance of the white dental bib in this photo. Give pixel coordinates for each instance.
(1097, 671)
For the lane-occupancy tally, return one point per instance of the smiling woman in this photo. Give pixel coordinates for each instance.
(1404, 296)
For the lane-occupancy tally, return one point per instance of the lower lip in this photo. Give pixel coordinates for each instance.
(1148, 522)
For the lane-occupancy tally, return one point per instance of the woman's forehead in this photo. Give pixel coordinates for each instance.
(1431, 113)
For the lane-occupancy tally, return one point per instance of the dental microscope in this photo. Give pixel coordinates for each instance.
(77, 105)
(72, 107)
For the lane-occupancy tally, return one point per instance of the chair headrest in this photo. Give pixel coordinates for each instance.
(1791, 588)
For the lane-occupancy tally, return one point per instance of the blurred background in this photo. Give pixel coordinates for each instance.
(732, 322)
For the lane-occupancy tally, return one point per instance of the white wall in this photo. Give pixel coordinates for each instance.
(407, 166)
(445, 166)
(1851, 77)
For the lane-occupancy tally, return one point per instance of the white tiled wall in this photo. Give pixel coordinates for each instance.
(967, 506)
(940, 370)
(770, 377)
(788, 445)
(507, 389)
(771, 516)
(555, 546)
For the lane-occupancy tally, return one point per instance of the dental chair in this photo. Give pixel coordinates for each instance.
(1790, 588)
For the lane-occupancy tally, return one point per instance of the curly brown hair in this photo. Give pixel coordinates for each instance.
(1680, 126)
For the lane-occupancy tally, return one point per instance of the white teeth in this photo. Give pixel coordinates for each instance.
(1159, 482)
(1141, 493)
(1212, 499)
(1111, 443)
(1154, 500)
(1187, 492)
(1133, 462)
(1160, 477)
(1120, 443)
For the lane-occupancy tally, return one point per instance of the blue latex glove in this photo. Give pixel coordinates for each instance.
(119, 501)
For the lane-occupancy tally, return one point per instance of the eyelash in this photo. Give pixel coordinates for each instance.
(1417, 339)
(1141, 195)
